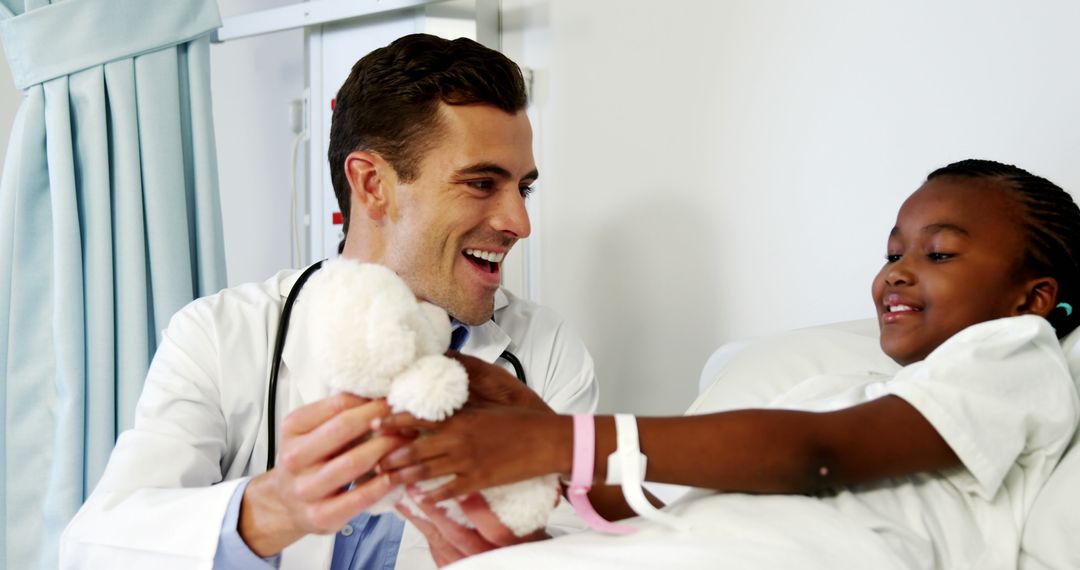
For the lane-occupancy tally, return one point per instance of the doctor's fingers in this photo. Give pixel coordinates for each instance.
(442, 551)
(330, 515)
(489, 526)
(329, 478)
(466, 540)
(335, 433)
(310, 416)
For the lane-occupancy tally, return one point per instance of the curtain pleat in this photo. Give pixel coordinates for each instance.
(30, 398)
(91, 140)
(109, 223)
(134, 330)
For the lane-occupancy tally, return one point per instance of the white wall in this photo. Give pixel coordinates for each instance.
(710, 170)
(253, 81)
(715, 170)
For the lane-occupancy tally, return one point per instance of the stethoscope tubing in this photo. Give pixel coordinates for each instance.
(275, 364)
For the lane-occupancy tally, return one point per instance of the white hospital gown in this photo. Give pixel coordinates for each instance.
(999, 393)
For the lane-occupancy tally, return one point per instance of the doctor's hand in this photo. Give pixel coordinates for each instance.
(482, 446)
(321, 453)
(450, 542)
(491, 385)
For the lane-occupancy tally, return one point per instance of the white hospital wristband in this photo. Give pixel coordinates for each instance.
(627, 467)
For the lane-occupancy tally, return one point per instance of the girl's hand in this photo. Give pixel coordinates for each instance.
(484, 447)
(450, 542)
(492, 385)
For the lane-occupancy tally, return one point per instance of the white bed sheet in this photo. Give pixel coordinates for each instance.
(760, 532)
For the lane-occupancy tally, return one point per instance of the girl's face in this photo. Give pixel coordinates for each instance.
(954, 259)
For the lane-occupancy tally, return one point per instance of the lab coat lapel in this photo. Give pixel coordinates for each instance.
(488, 341)
(295, 379)
(312, 551)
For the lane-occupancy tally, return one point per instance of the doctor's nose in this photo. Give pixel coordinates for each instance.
(510, 217)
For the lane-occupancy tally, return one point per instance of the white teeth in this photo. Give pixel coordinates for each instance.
(897, 308)
(486, 255)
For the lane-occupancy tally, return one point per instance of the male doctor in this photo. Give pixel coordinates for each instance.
(431, 160)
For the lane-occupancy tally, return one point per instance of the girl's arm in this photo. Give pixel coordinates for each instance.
(754, 451)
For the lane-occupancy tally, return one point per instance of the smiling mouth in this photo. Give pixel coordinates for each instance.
(487, 261)
(901, 309)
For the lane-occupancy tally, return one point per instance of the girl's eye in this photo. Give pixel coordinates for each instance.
(527, 191)
(892, 257)
(938, 256)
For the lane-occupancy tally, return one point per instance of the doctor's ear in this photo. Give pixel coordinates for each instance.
(368, 175)
(1041, 297)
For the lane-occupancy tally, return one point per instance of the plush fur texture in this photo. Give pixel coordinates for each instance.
(371, 337)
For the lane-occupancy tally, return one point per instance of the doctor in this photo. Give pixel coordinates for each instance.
(431, 161)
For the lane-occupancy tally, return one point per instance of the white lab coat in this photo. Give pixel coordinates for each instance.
(200, 426)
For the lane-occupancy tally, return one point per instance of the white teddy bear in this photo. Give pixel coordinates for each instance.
(371, 337)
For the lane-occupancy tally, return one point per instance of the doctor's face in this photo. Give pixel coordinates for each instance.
(449, 229)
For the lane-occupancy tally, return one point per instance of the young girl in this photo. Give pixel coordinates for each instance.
(935, 466)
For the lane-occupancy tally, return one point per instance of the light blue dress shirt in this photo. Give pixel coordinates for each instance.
(368, 542)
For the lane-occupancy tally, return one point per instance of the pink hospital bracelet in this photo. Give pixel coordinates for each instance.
(581, 475)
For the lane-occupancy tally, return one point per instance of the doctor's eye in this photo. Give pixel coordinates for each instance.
(486, 185)
(527, 191)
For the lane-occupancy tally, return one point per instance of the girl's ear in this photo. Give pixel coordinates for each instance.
(1041, 297)
(369, 193)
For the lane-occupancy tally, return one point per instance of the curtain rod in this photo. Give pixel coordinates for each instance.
(305, 14)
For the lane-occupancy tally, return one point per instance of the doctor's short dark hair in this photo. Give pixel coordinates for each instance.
(389, 104)
(1052, 223)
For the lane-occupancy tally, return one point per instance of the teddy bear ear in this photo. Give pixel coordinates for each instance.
(434, 338)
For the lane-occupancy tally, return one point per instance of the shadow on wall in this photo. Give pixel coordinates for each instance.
(653, 310)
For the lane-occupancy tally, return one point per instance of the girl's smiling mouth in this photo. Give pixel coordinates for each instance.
(896, 307)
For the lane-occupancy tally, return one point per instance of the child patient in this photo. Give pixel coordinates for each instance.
(935, 466)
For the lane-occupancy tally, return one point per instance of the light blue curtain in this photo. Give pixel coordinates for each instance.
(109, 222)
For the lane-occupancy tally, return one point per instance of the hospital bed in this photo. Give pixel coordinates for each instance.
(747, 374)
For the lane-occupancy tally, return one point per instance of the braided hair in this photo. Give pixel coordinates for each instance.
(1052, 222)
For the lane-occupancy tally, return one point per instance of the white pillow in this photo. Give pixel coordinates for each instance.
(749, 374)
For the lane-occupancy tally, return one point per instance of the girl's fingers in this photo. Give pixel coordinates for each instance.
(430, 469)
(402, 420)
(422, 449)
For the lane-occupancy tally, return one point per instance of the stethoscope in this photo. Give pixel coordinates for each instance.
(279, 345)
